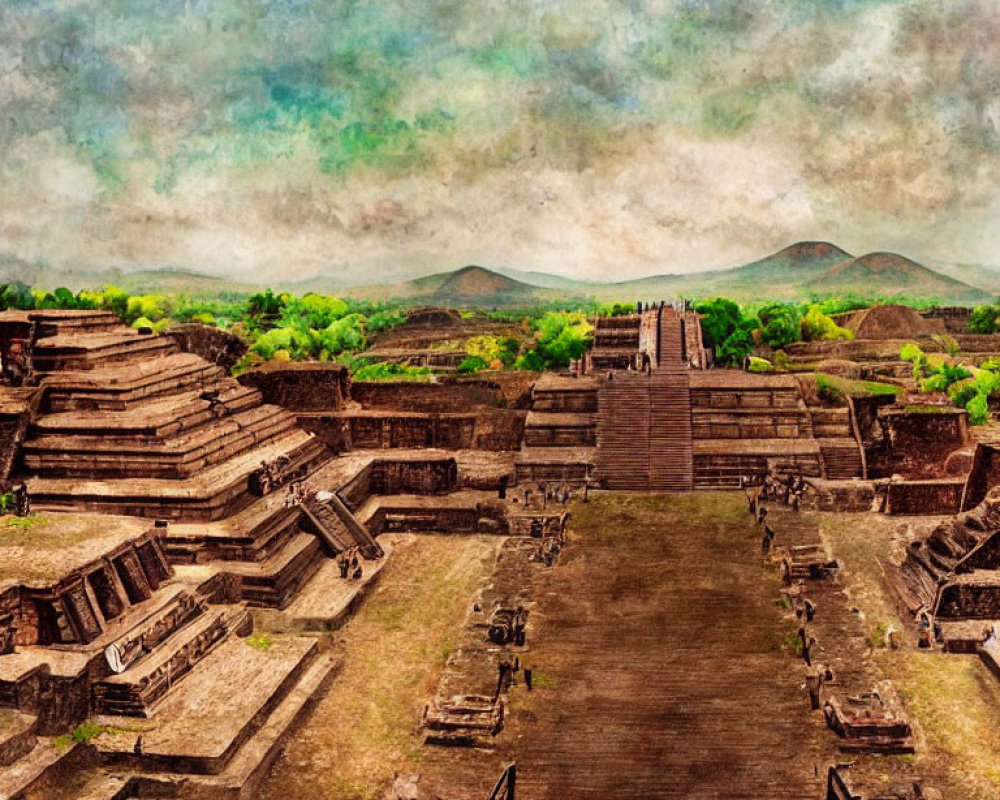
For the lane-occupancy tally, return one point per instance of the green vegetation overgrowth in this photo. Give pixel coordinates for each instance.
(967, 386)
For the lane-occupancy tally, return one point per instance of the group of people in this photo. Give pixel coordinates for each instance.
(561, 494)
(350, 565)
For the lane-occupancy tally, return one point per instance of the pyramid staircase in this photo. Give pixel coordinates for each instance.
(841, 452)
(644, 431)
(623, 422)
(670, 443)
(129, 425)
(560, 431)
(339, 529)
(671, 349)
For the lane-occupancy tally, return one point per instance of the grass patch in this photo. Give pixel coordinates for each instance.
(22, 524)
(87, 731)
(878, 636)
(259, 641)
(365, 729)
(540, 679)
(835, 388)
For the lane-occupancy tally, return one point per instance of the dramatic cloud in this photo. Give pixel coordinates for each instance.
(370, 141)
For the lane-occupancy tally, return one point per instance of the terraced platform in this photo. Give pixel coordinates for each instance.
(193, 732)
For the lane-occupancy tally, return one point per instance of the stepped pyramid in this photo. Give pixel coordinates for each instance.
(163, 483)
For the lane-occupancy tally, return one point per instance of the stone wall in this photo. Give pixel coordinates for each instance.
(841, 496)
(213, 344)
(300, 386)
(778, 424)
(924, 497)
(955, 318)
(984, 475)
(440, 397)
(486, 429)
(431, 476)
(916, 444)
(499, 429)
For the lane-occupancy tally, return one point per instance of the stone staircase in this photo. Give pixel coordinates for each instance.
(644, 432)
(670, 443)
(560, 431)
(623, 420)
(671, 341)
(339, 528)
(840, 451)
(616, 341)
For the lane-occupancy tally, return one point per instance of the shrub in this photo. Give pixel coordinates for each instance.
(471, 365)
(984, 319)
(817, 326)
(391, 371)
(961, 392)
(979, 410)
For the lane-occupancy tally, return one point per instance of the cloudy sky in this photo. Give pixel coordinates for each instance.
(372, 140)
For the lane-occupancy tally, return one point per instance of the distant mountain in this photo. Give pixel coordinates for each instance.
(888, 274)
(797, 272)
(172, 280)
(472, 285)
(978, 275)
(547, 280)
(778, 276)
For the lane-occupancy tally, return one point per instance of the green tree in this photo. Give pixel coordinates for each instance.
(984, 319)
(17, 295)
(781, 325)
(312, 311)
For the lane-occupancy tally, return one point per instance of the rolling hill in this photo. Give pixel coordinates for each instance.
(779, 276)
(888, 274)
(798, 272)
(471, 285)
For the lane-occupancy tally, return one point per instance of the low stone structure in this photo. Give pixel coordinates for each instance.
(220, 347)
(300, 385)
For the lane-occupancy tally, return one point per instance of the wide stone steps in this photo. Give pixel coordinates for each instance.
(841, 458)
(136, 691)
(157, 417)
(560, 429)
(831, 423)
(172, 458)
(55, 322)
(215, 492)
(116, 389)
(622, 459)
(670, 443)
(202, 728)
(258, 539)
(92, 350)
(250, 764)
(272, 583)
(561, 464)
